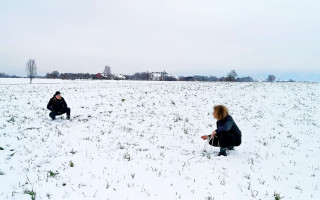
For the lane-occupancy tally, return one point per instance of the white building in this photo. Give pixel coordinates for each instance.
(119, 77)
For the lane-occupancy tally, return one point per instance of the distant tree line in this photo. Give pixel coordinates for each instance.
(3, 75)
(232, 76)
(71, 76)
(145, 76)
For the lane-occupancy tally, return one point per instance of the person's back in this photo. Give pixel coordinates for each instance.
(229, 122)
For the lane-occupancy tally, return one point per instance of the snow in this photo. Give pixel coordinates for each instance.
(141, 140)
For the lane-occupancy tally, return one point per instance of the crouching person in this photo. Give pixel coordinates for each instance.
(58, 106)
(227, 135)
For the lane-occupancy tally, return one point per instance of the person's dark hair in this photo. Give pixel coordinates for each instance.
(220, 112)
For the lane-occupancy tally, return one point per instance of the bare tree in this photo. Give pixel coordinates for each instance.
(31, 69)
(107, 71)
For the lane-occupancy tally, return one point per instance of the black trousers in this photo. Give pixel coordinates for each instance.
(53, 114)
(225, 139)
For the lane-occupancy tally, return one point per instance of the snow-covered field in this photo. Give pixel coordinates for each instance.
(141, 140)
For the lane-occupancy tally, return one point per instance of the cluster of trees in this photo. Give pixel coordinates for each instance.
(271, 78)
(158, 76)
(54, 74)
(216, 79)
(75, 76)
(231, 77)
(145, 76)
(3, 75)
(72, 76)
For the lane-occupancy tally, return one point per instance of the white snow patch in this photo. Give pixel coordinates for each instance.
(141, 140)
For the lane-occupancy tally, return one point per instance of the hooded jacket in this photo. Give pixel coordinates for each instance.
(57, 105)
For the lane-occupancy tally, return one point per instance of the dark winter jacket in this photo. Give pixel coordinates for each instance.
(57, 105)
(228, 125)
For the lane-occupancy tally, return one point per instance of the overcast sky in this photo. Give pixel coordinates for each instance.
(183, 37)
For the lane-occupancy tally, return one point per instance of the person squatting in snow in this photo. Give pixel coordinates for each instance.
(58, 106)
(227, 135)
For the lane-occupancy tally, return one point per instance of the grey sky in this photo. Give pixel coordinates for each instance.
(183, 37)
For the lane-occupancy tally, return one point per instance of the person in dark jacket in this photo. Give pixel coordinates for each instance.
(227, 135)
(58, 106)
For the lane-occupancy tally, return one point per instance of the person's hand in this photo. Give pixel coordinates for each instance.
(213, 133)
(204, 137)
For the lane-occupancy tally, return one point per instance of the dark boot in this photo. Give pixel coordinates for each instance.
(52, 115)
(68, 113)
(223, 152)
(230, 148)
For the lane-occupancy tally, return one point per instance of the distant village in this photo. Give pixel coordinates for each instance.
(150, 76)
(144, 76)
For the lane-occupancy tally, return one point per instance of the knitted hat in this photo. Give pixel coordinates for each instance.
(57, 92)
